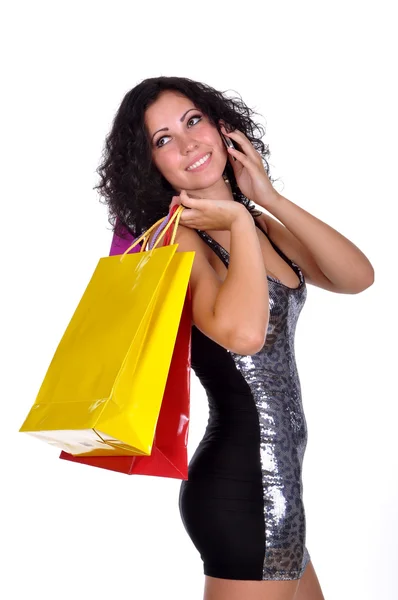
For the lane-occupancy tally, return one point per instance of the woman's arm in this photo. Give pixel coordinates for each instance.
(243, 298)
(329, 259)
(234, 312)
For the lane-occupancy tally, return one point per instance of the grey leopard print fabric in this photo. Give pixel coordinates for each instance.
(247, 470)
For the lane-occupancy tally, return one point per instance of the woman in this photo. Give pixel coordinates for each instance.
(242, 503)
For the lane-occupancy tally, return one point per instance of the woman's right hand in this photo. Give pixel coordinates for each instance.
(215, 215)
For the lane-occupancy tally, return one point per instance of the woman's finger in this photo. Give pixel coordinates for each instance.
(188, 217)
(186, 200)
(175, 200)
(240, 156)
(244, 143)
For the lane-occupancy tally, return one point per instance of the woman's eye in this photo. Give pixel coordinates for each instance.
(159, 145)
(195, 117)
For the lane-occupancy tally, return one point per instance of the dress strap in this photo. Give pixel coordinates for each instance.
(222, 254)
(220, 251)
(292, 264)
(275, 247)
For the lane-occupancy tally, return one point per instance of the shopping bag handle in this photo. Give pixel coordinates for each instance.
(145, 236)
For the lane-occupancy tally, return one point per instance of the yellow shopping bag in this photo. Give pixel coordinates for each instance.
(103, 390)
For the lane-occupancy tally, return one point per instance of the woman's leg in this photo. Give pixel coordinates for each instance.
(231, 589)
(309, 587)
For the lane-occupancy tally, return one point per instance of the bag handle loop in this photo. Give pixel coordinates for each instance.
(145, 236)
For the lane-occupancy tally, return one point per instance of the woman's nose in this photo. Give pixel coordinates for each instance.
(188, 146)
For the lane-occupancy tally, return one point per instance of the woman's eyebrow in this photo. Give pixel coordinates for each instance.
(166, 128)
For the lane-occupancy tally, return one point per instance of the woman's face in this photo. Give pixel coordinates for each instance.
(189, 137)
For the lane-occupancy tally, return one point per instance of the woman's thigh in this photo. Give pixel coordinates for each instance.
(309, 587)
(231, 589)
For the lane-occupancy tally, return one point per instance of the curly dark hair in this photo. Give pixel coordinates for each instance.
(135, 191)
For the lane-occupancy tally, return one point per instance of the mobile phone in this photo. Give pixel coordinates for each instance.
(228, 142)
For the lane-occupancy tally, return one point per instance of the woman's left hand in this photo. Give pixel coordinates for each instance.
(249, 170)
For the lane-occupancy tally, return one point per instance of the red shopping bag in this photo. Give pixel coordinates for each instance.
(169, 456)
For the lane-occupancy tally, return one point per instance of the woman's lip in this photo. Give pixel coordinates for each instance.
(203, 166)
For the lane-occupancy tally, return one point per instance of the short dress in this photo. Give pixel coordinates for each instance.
(242, 504)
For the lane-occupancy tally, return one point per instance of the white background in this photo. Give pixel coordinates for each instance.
(321, 74)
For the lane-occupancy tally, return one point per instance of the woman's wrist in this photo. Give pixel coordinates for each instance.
(243, 219)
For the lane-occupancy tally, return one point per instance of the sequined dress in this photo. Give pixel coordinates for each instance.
(242, 505)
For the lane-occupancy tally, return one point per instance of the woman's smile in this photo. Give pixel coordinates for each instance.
(201, 164)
